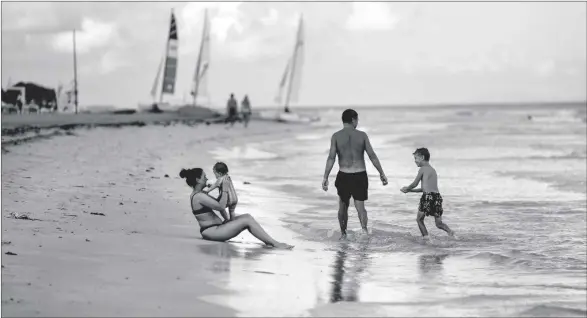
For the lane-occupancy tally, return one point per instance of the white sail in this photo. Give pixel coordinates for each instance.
(200, 83)
(282, 84)
(291, 82)
(165, 80)
(171, 56)
(297, 63)
(157, 80)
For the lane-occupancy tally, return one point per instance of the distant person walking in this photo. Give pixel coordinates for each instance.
(231, 107)
(246, 110)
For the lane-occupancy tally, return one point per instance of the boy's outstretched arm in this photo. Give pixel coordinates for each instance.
(415, 183)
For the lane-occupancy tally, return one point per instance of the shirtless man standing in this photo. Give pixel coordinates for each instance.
(350, 145)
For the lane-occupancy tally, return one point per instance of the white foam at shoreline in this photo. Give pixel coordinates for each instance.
(246, 151)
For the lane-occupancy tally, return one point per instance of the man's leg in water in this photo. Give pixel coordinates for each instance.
(420, 220)
(343, 216)
(360, 206)
(443, 226)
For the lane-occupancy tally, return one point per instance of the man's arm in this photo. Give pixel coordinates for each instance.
(374, 159)
(329, 162)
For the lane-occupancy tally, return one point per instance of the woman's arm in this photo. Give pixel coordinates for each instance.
(219, 205)
(215, 185)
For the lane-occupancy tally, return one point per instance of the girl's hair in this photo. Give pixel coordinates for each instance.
(190, 175)
(221, 168)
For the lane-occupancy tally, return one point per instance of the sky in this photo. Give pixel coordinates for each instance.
(356, 53)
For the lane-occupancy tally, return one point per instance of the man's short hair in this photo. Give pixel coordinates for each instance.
(423, 152)
(348, 116)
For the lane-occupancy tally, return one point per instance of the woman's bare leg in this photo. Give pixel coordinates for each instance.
(233, 228)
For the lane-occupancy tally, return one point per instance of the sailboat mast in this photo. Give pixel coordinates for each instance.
(157, 80)
(197, 75)
(293, 67)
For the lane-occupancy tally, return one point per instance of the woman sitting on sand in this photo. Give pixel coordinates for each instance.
(211, 226)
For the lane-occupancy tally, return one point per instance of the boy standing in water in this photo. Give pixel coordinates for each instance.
(431, 200)
(224, 182)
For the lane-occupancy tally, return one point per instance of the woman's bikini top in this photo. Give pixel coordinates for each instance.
(203, 210)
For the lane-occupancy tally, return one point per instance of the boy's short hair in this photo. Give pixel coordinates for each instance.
(423, 152)
(221, 167)
(348, 116)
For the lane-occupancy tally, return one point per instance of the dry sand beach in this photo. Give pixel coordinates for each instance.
(96, 242)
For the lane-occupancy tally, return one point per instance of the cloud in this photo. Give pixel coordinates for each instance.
(94, 34)
(224, 17)
(271, 19)
(243, 31)
(371, 16)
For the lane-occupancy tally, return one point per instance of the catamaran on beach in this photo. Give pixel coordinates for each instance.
(165, 85)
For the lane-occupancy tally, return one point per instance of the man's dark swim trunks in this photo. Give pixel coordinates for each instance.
(352, 184)
(431, 204)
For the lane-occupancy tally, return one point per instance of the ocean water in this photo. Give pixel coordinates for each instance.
(514, 190)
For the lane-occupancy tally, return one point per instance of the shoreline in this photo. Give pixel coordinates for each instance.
(17, 129)
(13, 124)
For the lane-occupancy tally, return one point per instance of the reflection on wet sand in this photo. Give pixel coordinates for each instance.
(431, 264)
(224, 252)
(431, 275)
(346, 278)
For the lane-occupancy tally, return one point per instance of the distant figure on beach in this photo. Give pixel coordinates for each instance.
(431, 200)
(224, 183)
(212, 228)
(246, 110)
(231, 107)
(350, 144)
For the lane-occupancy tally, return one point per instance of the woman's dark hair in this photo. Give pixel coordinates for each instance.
(221, 167)
(190, 176)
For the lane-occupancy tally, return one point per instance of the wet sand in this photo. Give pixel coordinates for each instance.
(103, 242)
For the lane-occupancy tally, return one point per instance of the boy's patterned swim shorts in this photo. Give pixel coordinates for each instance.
(431, 204)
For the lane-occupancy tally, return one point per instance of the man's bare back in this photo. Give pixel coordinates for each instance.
(350, 145)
